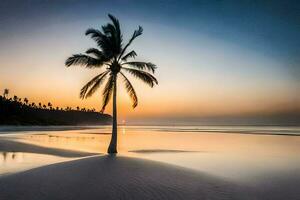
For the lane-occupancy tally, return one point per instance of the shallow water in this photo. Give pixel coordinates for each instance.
(247, 154)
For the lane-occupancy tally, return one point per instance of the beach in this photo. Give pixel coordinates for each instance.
(153, 163)
(149, 100)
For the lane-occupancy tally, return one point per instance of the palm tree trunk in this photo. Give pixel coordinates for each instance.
(112, 149)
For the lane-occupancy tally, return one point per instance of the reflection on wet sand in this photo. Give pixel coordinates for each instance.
(11, 156)
(11, 162)
(234, 156)
(18, 156)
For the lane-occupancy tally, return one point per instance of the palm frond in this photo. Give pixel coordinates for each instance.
(96, 85)
(142, 65)
(131, 54)
(130, 90)
(89, 88)
(115, 22)
(142, 75)
(136, 33)
(108, 89)
(83, 60)
(102, 41)
(117, 28)
(95, 52)
(95, 34)
(112, 35)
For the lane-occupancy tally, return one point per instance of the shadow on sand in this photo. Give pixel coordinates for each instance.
(15, 146)
(114, 177)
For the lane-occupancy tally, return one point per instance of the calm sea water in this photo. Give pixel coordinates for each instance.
(253, 154)
(278, 130)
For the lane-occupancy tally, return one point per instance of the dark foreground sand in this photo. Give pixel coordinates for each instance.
(105, 177)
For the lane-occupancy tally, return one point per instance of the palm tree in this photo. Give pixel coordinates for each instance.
(16, 98)
(50, 106)
(40, 105)
(113, 55)
(5, 92)
(68, 108)
(26, 100)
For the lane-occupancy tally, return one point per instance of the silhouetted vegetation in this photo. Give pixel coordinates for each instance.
(15, 111)
(114, 57)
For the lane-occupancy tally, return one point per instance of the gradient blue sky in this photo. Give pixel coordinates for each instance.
(215, 58)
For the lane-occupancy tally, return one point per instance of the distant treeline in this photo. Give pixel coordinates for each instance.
(17, 111)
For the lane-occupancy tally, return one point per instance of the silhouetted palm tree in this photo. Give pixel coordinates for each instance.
(16, 98)
(26, 100)
(77, 108)
(5, 92)
(50, 106)
(112, 54)
(40, 105)
(68, 108)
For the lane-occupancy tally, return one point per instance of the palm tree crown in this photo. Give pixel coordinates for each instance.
(114, 55)
(5, 92)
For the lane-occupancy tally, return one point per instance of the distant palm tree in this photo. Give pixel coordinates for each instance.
(68, 108)
(44, 106)
(40, 105)
(33, 105)
(50, 106)
(5, 92)
(26, 100)
(112, 54)
(16, 98)
(77, 108)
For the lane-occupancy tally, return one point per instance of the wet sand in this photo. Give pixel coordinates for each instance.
(16, 146)
(191, 166)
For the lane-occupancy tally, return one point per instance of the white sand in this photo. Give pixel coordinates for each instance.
(105, 177)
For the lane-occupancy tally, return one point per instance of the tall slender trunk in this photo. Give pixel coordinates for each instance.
(113, 142)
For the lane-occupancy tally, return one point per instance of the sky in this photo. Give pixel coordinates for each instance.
(219, 60)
